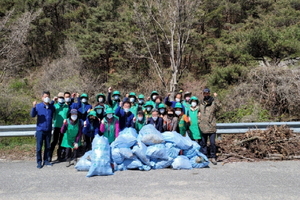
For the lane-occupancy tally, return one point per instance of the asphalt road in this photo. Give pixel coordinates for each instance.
(259, 180)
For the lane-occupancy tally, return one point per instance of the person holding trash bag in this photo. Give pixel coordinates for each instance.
(183, 120)
(72, 130)
(109, 126)
(90, 129)
(126, 117)
(113, 99)
(208, 108)
(82, 106)
(170, 120)
(193, 113)
(156, 121)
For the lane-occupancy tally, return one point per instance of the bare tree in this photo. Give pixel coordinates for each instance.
(165, 26)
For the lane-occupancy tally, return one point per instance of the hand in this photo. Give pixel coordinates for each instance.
(65, 121)
(102, 122)
(34, 104)
(109, 90)
(215, 94)
(88, 110)
(127, 95)
(121, 104)
(73, 95)
(148, 98)
(77, 94)
(169, 94)
(55, 98)
(84, 124)
(134, 119)
(75, 145)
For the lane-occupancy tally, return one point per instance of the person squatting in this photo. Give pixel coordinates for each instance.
(75, 119)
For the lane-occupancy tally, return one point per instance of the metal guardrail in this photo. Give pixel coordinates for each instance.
(222, 128)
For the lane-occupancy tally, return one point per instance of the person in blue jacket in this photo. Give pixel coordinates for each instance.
(178, 99)
(44, 112)
(126, 117)
(156, 121)
(82, 106)
(90, 128)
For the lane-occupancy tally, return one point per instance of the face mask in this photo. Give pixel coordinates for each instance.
(126, 109)
(74, 117)
(162, 110)
(141, 101)
(148, 109)
(187, 98)
(206, 97)
(47, 100)
(109, 116)
(99, 111)
(61, 100)
(154, 118)
(140, 118)
(178, 112)
(83, 100)
(100, 99)
(170, 115)
(193, 104)
(131, 99)
(91, 119)
(154, 97)
(67, 100)
(177, 100)
(116, 97)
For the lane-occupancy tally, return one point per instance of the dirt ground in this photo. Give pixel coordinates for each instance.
(275, 143)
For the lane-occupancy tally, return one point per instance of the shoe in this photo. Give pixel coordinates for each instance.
(69, 163)
(213, 161)
(48, 164)
(39, 166)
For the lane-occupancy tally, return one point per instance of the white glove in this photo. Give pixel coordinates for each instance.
(75, 145)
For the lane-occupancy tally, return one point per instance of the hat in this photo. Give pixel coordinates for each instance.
(98, 107)
(60, 94)
(154, 110)
(109, 111)
(194, 98)
(148, 103)
(187, 93)
(116, 93)
(178, 105)
(206, 90)
(102, 95)
(161, 105)
(92, 113)
(154, 92)
(132, 94)
(141, 96)
(84, 95)
(73, 111)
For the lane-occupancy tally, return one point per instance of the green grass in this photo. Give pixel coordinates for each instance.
(25, 143)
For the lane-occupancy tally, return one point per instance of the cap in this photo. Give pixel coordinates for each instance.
(141, 96)
(161, 105)
(84, 95)
(178, 105)
(60, 94)
(132, 94)
(109, 111)
(116, 93)
(206, 90)
(92, 113)
(73, 111)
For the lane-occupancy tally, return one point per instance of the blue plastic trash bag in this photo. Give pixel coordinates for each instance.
(193, 150)
(145, 168)
(126, 139)
(181, 162)
(101, 157)
(117, 157)
(176, 138)
(126, 153)
(84, 162)
(161, 164)
(132, 163)
(200, 161)
(157, 151)
(173, 151)
(149, 135)
(140, 150)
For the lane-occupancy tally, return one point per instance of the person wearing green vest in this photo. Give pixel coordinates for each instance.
(194, 115)
(141, 102)
(134, 104)
(162, 109)
(140, 122)
(148, 109)
(186, 101)
(99, 109)
(109, 126)
(183, 120)
(114, 98)
(60, 113)
(101, 100)
(153, 97)
(72, 130)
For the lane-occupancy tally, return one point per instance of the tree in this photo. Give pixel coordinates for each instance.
(165, 28)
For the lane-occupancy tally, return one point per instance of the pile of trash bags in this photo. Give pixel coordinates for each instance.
(147, 150)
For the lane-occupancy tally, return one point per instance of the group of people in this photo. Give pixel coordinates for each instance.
(75, 120)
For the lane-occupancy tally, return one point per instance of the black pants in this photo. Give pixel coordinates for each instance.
(88, 143)
(212, 147)
(57, 138)
(70, 155)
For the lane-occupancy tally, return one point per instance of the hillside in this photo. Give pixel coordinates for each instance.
(247, 51)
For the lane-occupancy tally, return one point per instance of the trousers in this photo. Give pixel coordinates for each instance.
(43, 137)
(212, 147)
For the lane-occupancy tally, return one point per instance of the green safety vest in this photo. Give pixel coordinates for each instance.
(109, 132)
(139, 125)
(182, 125)
(134, 109)
(61, 113)
(70, 134)
(195, 132)
(186, 106)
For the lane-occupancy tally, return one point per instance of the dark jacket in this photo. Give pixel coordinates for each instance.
(158, 124)
(44, 116)
(173, 103)
(91, 129)
(125, 119)
(79, 107)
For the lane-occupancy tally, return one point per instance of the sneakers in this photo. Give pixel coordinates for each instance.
(48, 164)
(213, 161)
(39, 166)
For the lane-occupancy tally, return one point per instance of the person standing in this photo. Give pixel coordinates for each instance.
(183, 120)
(140, 121)
(113, 99)
(126, 117)
(170, 120)
(193, 113)
(186, 102)
(44, 112)
(208, 108)
(156, 121)
(90, 129)
(60, 114)
(110, 126)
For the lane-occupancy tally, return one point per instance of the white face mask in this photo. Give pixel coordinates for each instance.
(177, 100)
(74, 117)
(131, 99)
(154, 97)
(61, 100)
(116, 97)
(141, 101)
(154, 118)
(140, 118)
(99, 111)
(148, 109)
(162, 110)
(83, 100)
(67, 99)
(178, 112)
(46, 100)
(109, 116)
(193, 104)
(100, 99)
(126, 109)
